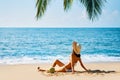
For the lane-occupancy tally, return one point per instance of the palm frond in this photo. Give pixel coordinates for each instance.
(93, 7)
(67, 4)
(41, 7)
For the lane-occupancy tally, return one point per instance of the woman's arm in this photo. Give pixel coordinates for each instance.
(72, 64)
(82, 64)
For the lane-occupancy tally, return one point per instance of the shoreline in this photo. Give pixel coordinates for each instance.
(1, 64)
(100, 71)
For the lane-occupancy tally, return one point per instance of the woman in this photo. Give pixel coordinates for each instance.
(74, 58)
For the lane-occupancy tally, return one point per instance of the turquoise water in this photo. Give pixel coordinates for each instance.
(41, 45)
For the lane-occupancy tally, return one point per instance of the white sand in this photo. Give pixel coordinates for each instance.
(105, 71)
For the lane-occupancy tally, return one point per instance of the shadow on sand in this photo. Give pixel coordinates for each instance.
(96, 71)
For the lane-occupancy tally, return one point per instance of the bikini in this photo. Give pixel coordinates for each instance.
(78, 56)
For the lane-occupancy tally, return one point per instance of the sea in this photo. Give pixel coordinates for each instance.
(44, 45)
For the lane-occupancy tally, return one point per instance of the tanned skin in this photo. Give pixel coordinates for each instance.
(70, 66)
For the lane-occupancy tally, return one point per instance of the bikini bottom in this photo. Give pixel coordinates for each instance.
(68, 70)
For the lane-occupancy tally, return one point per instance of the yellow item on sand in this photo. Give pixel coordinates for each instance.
(52, 70)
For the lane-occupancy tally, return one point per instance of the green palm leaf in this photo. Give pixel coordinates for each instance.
(41, 7)
(93, 7)
(67, 4)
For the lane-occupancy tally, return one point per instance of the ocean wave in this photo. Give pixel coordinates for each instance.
(25, 46)
(50, 59)
(100, 58)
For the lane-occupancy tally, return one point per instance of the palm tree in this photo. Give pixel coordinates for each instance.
(93, 7)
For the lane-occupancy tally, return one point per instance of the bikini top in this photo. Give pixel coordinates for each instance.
(77, 55)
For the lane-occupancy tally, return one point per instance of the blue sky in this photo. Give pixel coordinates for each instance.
(21, 13)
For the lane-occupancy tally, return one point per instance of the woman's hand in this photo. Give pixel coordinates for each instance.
(73, 71)
(89, 70)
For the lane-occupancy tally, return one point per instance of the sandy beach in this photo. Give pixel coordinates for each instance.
(100, 71)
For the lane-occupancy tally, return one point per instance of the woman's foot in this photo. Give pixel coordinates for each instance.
(38, 68)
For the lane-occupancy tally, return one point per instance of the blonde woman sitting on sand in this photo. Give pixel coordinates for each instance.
(74, 58)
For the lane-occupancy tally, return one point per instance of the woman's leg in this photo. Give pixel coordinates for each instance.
(40, 69)
(65, 68)
(59, 63)
(61, 70)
